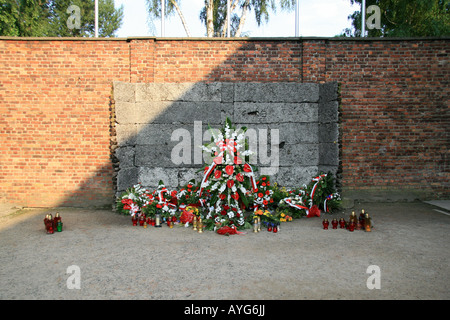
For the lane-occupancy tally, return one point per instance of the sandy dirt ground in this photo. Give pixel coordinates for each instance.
(100, 255)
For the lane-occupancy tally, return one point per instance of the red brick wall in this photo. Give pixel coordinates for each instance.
(395, 114)
(54, 124)
(55, 106)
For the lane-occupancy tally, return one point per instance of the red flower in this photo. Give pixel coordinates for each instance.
(217, 174)
(263, 178)
(230, 183)
(247, 168)
(260, 195)
(240, 177)
(263, 184)
(237, 160)
(314, 211)
(229, 170)
(267, 192)
(265, 202)
(222, 196)
(218, 160)
(235, 196)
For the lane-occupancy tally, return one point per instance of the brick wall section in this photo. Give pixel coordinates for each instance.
(55, 106)
(395, 114)
(54, 124)
(227, 61)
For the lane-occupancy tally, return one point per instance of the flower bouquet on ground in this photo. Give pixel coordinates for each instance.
(228, 180)
(133, 199)
(263, 194)
(310, 199)
(268, 219)
(188, 195)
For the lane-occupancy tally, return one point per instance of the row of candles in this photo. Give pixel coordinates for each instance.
(158, 220)
(53, 224)
(197, 223)
(271, 226)
(364, 222)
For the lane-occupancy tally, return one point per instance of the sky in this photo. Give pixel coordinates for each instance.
(318, 18)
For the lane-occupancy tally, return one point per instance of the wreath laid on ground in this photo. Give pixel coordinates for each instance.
(228, 197)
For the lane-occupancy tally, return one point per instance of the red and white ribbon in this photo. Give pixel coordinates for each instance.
(325, 202)
(297, 206)
(315, 185)
(205, 177)
(252, 176)
(160, 194)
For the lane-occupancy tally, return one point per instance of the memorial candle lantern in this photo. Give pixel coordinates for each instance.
(362, 218)
(325, 224)
(134, 219)
(255, 224)
(158, 220)
(141, 219)
(342, 223)
(275, 228)
(200, 225)
(368, 223)
(48, 222)
(269, 227)
(194, 223)
(334, 223)
(259, 223)
(57, 222)
(351, 226)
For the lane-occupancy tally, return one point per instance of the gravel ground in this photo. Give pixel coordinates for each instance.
(409, 244)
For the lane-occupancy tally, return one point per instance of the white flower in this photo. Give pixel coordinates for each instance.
(222, 188)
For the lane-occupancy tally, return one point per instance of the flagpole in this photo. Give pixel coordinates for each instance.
(363, 18)
(163, 11)
(228, 18)
(96, 18)
(297, 18)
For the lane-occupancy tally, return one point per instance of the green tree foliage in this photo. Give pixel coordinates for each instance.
(39, 18)
(405, 18)
(214, 13)
(239, 10)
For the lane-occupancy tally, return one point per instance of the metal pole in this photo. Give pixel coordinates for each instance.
(297, 18)
(363, 18)
(163, 11)
(228, 18)
(96, 18)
